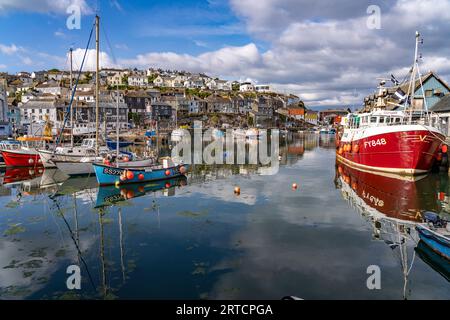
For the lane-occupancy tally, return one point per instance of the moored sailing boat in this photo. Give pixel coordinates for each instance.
(404, 141)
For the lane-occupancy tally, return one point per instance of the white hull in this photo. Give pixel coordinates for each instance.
(75, 168)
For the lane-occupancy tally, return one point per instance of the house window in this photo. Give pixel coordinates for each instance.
(428, 93)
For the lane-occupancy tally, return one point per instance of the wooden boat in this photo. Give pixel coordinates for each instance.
(112, 145)
(437, 238)
(109, 175)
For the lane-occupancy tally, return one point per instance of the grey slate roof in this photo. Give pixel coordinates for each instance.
(442, 105)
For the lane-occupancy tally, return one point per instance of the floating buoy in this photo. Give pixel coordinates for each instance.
(168, 185)
(141, 176)
(126, 159)
(294, 186)
(182, 169)
(444, 148)
(117, 184)
(130, 175)
(167, 172)
(237, 190)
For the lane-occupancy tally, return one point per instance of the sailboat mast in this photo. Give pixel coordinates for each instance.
(97, 81)
(71, 106)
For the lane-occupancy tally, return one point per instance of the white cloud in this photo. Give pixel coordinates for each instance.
(44, 6)
(9, 49)
(90, 61)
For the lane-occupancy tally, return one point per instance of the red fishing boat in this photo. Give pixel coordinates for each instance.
(27, 155)
(405, 141)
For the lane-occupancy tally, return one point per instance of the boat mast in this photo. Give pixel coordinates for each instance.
(71, 106)
(97, 81)
(117, 126)
(412, 83)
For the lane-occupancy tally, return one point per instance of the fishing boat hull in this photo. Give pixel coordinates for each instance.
(21, 158)
(408, 150)
(107, 175)
(437, 242)
(108, 195)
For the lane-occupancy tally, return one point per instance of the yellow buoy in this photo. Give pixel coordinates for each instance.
(117, 184)
(237, 190)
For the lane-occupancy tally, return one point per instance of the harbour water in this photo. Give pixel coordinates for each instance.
(194, 238)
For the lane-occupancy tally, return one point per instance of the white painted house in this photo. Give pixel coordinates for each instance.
(246, 87)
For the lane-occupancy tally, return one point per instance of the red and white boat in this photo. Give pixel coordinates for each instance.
(26, 155)
(404, 141)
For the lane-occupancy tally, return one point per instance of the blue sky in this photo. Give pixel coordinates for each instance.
(325, 51)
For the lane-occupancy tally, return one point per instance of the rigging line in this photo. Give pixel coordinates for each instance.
(74, 241)
(109, 45)
(74, 89)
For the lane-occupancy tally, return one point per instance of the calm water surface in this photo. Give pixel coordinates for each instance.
(195, 239)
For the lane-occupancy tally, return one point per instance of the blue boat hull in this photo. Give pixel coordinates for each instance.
(434, 260)
(438, 244)
(107, 175)
(110, 195)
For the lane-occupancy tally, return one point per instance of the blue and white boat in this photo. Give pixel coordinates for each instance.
(109, 195)
(435, 234)
(110, 175)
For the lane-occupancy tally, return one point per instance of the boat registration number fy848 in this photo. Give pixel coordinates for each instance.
(374, 143)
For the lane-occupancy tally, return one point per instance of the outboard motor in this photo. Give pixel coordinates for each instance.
(433, 218)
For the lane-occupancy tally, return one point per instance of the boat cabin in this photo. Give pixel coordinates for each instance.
(9, 145)
(34, 142)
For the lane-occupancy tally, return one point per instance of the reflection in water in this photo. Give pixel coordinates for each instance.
(392, 205)
(190, 238)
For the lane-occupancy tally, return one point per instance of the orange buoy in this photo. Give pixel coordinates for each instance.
(294, 186)
(130, 194)
(182, 169)
(444, 148)
(237, 190)
(126, 159)
(167, 172)
(130, 174)
(141, 176)
(168, 185)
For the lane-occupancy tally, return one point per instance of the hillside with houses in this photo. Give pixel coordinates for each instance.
(168, 97)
